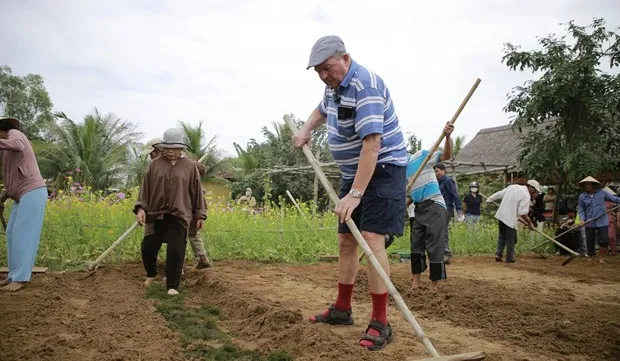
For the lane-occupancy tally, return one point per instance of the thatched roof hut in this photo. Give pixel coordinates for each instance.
(491, 150)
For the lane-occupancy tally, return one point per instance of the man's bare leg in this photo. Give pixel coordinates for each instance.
(376, 242)
(434, 286)
(348, 263)
(13, 286)
(378, 290)
(416, 282)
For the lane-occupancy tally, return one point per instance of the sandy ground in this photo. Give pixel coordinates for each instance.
(533, 310)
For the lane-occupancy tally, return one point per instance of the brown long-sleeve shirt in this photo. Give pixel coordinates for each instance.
(173, 189)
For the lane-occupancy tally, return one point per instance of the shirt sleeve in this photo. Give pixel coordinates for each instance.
(581, 211)
(13, 143)
(142, 201)
(435, 158)
(322, 107)
(611, 198)
(200, 209)
(523, 206)
(369, 112)
(496, 196)
(455, 195)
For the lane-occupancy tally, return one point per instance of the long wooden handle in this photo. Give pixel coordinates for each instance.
(443, 135)
(577, 226)
(362, 242)
(116, 243)
(541, 233)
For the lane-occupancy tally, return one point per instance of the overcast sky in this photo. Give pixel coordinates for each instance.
(240, 65)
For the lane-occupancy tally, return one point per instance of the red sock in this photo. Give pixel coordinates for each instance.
(343, 301)
(379, 313)
(345, 293)
(379, 307)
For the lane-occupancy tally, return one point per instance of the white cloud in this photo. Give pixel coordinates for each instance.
(239, 66)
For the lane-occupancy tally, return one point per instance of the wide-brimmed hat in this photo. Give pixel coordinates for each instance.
(534, 184)
(173, 138)
(607, 189)
(150, 146)
(589, 179)
(14, 121)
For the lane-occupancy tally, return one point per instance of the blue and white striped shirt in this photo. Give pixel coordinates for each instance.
(426, 185)
(367, 94)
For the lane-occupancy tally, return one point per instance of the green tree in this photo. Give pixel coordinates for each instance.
(99, 147)
(458, 144)
(197, 148)
(413, 143)
(26, 99)
(568, 117)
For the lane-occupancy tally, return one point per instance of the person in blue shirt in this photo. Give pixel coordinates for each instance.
(450, 194)
(592, 205)
(428, 223)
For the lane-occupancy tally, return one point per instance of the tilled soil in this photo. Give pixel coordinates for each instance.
(533, 310)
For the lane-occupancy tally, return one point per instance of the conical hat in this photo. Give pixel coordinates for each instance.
(607, 189)
(589, 179)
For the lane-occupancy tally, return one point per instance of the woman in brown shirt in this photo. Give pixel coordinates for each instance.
(170, 198)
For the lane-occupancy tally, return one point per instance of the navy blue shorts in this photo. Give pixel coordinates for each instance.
(383, 206)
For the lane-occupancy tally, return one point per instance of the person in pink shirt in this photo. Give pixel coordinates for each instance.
(25, 186)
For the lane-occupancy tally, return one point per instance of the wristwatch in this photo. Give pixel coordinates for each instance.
(355, 193)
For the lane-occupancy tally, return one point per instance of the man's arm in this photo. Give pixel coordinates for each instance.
(455, 196)
(497, 196)
(316, 119)
(611, 198)
(447, 146)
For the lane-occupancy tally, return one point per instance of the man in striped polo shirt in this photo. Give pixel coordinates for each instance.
(428, 226)
(368, 145)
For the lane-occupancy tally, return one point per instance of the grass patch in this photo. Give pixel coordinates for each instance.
(200, 324)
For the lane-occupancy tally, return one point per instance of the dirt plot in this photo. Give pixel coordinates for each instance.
(532, 310)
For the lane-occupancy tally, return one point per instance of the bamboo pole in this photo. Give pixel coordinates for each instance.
(438, 142)
(371, 256)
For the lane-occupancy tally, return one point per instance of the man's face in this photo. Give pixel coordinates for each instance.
(439, 173)
(248, 193)
(533, 191)
(333, 70)
(589, 187)
(172, 153)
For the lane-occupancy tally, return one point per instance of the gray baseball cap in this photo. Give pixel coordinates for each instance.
(324, 48)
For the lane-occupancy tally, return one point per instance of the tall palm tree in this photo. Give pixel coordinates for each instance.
(459, 142)
(197, 148)
(98, 147)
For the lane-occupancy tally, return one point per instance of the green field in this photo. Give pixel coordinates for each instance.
(77, 230)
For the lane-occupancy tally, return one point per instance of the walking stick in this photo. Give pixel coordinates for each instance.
(371, 256)
(573, 253)
(437, 143)
(93, 265)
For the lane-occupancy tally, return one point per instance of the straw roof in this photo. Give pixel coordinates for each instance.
(496, 147)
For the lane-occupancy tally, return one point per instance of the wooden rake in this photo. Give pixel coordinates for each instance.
(411, 181)
(572, 229)
(377, 266)
(573, 253)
